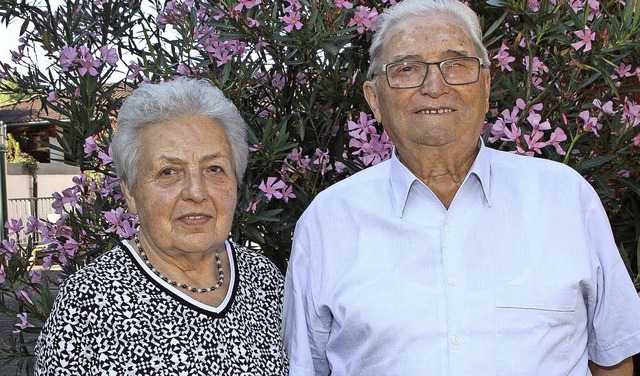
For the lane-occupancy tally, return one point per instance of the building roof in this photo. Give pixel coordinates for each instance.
(26, 111)
(30, 110)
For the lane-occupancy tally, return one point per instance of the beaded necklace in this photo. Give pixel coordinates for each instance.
(178, 284)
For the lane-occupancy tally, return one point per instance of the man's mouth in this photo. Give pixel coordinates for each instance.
(435, 112)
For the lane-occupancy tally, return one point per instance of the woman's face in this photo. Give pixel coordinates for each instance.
(186, 191)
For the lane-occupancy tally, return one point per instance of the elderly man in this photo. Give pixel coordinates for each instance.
(452, 258)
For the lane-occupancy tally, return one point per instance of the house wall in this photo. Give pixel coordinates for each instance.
(51, 177)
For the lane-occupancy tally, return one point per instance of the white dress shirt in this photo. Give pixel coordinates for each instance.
(520, 276)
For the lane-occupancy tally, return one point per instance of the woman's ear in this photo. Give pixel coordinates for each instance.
(129, 198)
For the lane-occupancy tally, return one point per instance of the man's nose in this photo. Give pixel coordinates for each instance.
(434, 84)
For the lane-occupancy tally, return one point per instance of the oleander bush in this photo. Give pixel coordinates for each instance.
(565, 87)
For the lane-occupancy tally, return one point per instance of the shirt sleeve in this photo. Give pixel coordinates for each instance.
(615, 309)
(61, 349)
(305, 333)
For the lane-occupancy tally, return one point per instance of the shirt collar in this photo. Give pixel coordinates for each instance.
(402, 180)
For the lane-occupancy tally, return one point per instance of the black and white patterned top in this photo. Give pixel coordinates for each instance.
(116, 317)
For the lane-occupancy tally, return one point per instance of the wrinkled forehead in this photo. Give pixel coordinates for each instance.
(439, 35)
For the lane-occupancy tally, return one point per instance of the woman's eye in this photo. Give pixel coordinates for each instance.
(166, 171)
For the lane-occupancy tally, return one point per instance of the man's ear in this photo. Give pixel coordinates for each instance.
(129, 198)
(487, 88)
(371, 95)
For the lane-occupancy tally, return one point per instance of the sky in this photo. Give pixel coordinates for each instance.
(9, 40)
(9, 35)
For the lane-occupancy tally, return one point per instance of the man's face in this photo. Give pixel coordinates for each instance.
(435, 114)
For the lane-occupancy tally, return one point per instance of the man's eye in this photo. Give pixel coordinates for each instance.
(215, 169)
(166, 171)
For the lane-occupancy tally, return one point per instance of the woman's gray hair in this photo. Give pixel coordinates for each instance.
(407, 9)
(154, 103)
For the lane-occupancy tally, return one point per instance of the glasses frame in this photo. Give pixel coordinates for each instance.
(439, 64)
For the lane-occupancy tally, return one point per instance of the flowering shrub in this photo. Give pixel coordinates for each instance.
(565, 87)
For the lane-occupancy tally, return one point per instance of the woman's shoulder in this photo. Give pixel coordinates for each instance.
(253, 262)
(105, 269)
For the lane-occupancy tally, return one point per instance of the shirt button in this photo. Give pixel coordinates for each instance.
(452, 282)
(455, 340)
(448, 228)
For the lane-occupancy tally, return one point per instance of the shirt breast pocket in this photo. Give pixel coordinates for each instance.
(534, 326)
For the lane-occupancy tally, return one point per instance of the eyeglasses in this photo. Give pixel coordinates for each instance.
(455, 71)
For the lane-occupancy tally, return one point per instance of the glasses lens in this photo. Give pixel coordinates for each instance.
(460, 71)
(406, 74)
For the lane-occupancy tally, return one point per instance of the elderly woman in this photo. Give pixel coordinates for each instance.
(180, 299)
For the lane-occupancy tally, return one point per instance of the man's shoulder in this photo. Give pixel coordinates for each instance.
(515, 165)
(347, 196)
(362, 182)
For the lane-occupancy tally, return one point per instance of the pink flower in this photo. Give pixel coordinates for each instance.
(534, 5)
(23, 324)
(607, 108)
(538, 66)
(26, 297)
(135, 70)
(636, 140)
(105, 157)
(90, 146)
(294, 155)
(272, 188)
(3, 275)
(122, 222)
(624, 70)
(252, 22)
(504, 59)
(343, 4)
(586, 37)
(287, 193)
(631, 112)
(36, 276)
(322, 160)
(590, 123)
(68, 196)
(555, 138)
(365, 18)
(184, 69)
(109, 55)
(340, 166)
(88, 63)
(278, 81)
(13, 226)
(68, 56)
(8, 247)
(292, 19)
(53, 97)
(537, 82)
(512, 133)
(247, 4)
(293, 4)
(576, 5)
(534, 120)
(362, 128)
(253, 205)
(33, 224)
